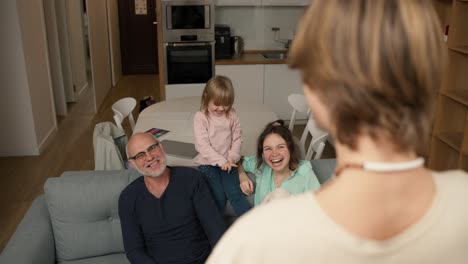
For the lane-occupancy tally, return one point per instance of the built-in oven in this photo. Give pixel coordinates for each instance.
(189, 62)
(188, 20)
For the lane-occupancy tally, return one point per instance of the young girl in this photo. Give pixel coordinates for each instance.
(218, 142)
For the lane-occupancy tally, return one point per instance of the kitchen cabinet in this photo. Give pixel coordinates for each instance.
(285, 2)
(246, 79)
(449, 140)
(280, 82)
(238, 2)
(268, 84)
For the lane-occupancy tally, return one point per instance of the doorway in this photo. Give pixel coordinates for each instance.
(138, 36)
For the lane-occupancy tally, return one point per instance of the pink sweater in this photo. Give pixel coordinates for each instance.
(217, 139)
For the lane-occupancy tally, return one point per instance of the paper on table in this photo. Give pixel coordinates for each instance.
(157, 132)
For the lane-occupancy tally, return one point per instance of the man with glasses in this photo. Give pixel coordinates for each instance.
(168, 215)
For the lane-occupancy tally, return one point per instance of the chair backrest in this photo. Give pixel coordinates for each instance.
(109, 144)
(123, 108)
(317, 143)
(299, 104)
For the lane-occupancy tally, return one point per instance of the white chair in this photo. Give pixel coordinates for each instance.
(123, 108)
(299, 105)
(317, 143)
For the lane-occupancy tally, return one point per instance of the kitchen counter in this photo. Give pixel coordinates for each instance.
(252, 57)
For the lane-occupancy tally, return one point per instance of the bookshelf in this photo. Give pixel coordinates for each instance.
(449, 139)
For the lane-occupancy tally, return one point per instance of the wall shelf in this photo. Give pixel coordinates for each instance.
(449, 138)
(460, 48)
(464, 163)
(452, 139)
(442, 157)
(459, 96)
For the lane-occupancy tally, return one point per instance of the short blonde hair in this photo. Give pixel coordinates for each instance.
(376, 65)
(218, 89)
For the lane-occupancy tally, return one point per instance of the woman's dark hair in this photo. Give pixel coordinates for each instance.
(277, 127)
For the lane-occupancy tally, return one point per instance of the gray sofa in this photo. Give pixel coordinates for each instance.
(76, 220)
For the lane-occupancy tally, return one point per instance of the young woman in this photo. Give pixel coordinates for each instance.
(276, 167)
(218, 142)
(371, 69)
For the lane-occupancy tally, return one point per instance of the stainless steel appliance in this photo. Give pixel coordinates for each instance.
(189, 62)
(188, 20)
(188, 36)
(237, 46)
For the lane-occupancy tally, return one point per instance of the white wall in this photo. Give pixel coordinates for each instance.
(254, 23)
(26, 105)
(114, 37)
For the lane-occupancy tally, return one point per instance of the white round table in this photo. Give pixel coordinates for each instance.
(176, 115)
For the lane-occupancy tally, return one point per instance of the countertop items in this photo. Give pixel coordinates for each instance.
(253, 57)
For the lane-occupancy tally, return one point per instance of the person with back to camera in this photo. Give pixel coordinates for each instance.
(167, 214)
(371, 70)
(218, 140)
(278, 170)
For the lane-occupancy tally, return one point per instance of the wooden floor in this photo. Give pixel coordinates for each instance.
(22, 178)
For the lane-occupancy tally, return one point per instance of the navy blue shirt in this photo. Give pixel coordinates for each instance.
(182, 226)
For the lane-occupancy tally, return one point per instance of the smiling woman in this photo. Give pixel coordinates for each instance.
(276, 166)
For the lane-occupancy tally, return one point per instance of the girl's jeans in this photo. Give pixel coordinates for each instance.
(225, 185)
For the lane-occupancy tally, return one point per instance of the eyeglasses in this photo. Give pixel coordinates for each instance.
(141, 156)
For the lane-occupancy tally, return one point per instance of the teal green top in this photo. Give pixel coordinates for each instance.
(302, 179)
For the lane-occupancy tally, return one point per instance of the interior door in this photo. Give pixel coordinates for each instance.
(138, 36)
(64, 42)
(99, 50)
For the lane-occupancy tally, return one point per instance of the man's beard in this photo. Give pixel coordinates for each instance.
(145, 172)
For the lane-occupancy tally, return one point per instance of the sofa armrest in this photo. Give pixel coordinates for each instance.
(33, 240)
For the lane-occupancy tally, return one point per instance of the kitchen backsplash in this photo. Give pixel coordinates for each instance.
(254, 24)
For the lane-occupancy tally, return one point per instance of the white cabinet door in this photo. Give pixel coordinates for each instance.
(246, 79)
(280, 82)
(238, 2)
(285, 2)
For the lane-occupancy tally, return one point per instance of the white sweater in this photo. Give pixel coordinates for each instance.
(297, 230)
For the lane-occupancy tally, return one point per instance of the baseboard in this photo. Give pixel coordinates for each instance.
(48, 139)
(81, 91)
(18, 151)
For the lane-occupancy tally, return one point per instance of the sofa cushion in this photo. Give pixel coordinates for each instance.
(32, 241)
(83, 208)
(119, 258)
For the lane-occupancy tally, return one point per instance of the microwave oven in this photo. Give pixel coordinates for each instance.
(188, 20)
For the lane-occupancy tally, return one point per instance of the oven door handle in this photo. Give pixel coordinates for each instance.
(189, 44)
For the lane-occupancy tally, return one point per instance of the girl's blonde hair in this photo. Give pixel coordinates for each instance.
(376, 65)
(218, 89)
